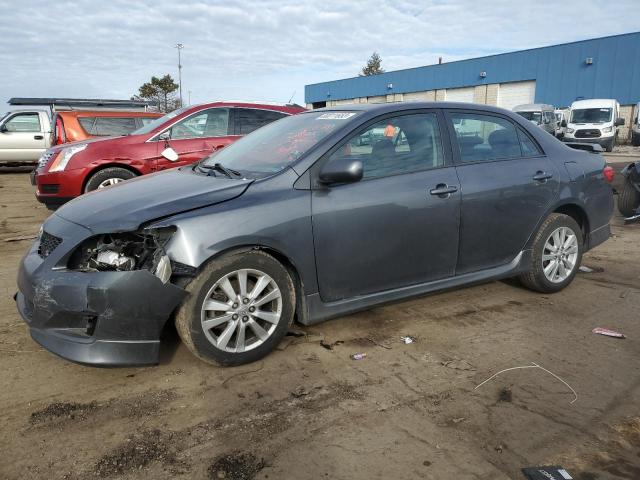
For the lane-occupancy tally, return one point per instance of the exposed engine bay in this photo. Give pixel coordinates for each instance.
(125, 252)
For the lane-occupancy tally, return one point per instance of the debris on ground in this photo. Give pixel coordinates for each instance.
(328, 345)
(358, 356)
(300, 392)
(57, 410)
(625, 293)
(533, 365)
(458, 419)
(607, 332)
(585, 269)
(546, 473)
(407, 339)
(505, 395)
(296, 333)
(457, 364)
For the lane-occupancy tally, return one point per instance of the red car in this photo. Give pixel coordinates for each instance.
(69, 170)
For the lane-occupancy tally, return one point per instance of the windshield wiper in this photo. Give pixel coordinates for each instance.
(229, 172)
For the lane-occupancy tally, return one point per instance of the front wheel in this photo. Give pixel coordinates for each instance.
(107, 177)
(239, 308)
(556, 256)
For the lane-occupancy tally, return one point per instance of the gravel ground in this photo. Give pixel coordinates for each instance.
(308, 411)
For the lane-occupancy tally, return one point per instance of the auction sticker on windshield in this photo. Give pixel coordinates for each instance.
(336, 116)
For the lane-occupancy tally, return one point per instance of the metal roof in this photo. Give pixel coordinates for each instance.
(80, 102)
(562, 73)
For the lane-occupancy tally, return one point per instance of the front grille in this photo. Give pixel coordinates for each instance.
(49, 188)
(48, 243)
(588, 133)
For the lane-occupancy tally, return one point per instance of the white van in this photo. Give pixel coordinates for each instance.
(635, 126)
(594, 121)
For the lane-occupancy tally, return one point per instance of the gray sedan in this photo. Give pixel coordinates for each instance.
(312, 217)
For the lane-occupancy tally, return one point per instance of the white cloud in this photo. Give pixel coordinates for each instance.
(267, 49)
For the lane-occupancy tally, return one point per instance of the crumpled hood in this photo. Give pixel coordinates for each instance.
(123, 207)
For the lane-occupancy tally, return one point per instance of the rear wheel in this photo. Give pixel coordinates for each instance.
(556, 255)
(107, 177)
(240, 306)
(629, 199)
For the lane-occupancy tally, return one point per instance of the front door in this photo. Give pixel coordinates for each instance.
(22, 138)
(396, 227)
(195, 137)
(507, 182)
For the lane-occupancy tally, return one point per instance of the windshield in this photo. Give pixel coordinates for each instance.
(275, 146)
(152, 125)
(591, 115)
(532, 116)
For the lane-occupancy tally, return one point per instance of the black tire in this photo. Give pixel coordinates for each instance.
(535, 279)
(609, 146)
(188, 317)
(105, 174)
(628, 199)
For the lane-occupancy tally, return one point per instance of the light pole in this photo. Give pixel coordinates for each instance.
(189, 97)
(180, 46)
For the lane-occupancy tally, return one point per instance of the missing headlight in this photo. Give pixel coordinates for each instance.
(142, 250)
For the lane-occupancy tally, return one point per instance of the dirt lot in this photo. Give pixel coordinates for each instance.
(308, 411)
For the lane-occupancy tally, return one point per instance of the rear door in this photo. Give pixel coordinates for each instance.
(396, 227)
(507, 182)
(22, 137)
(196, 136)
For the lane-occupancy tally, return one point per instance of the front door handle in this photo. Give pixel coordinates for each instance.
(541, 176)
(38, 137)
(443, 190)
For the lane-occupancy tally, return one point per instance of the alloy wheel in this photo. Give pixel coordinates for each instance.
(560, 254)
(110, 181)
(241, 310)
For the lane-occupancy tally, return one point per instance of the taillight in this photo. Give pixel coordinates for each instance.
(60, 136)
(608, 173)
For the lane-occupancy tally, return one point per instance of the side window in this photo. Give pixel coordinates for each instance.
(482, 138)
(249, 119)
(396, 145)
(107, 126)
(210, 123)
(24, 122)
(529, 147)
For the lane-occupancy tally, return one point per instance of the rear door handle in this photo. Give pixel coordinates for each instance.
(542, 176)
(38, 137)
(443, 189)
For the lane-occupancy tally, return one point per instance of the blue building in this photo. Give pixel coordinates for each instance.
(607, 67)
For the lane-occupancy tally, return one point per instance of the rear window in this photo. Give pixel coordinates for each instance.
(107, 126)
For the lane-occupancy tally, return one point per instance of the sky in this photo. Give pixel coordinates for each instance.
(267, 50)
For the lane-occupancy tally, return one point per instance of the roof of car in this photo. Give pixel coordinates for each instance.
(254, 104)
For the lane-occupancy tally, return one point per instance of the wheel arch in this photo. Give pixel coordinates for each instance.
(104, 166)
(285, 260)
(579, 214)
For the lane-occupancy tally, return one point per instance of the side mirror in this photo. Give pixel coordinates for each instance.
(619, 122)
(563, 123)
(341, 171)
(4, 129)
(165, 136)
(170, 154)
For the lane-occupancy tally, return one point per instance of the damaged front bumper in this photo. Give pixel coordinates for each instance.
(112, 318)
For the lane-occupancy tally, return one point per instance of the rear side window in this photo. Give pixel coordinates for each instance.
(250, 119)
(108, 126)
(483, 138)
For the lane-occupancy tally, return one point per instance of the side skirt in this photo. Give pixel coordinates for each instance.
(318, 311)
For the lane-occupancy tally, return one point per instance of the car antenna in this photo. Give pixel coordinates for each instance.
(292, 95)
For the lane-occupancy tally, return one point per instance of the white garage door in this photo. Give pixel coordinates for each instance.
(516, 93)
(459, 94)
(419, 97)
